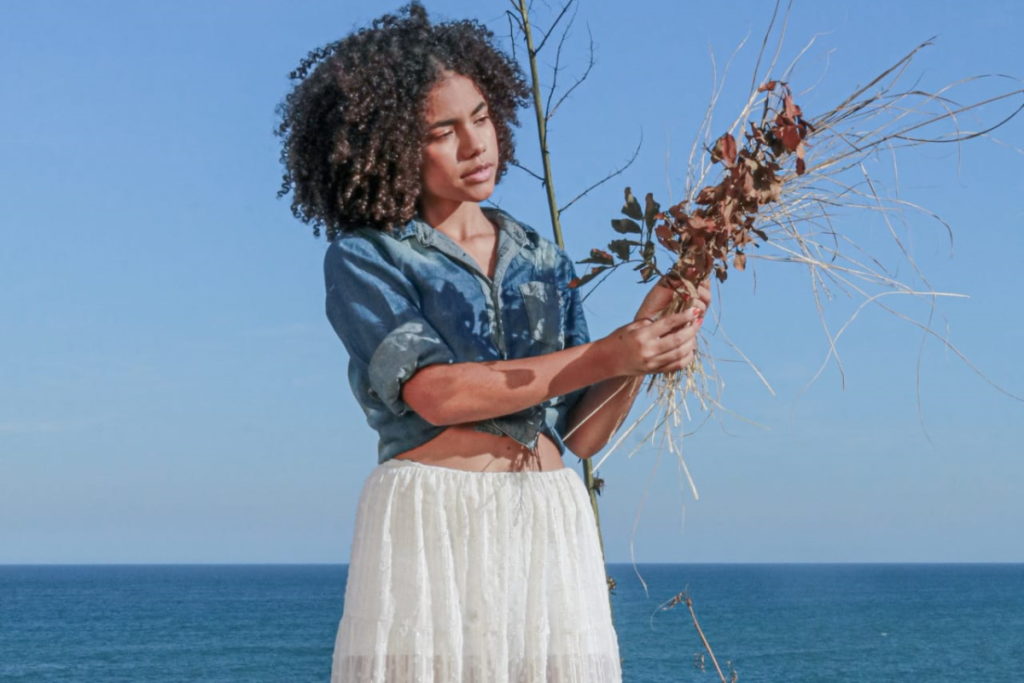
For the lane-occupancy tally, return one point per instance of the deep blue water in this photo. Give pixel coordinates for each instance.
(277, 622)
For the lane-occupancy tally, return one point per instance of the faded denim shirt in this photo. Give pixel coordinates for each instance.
(409, 298)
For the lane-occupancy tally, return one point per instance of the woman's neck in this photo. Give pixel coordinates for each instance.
(461, 222)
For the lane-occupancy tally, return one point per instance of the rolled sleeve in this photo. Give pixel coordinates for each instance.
(405, 349)
(374, 310)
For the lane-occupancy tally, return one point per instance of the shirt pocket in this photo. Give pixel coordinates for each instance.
(543, 305)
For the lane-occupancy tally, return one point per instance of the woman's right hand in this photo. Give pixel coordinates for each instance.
(648, 346)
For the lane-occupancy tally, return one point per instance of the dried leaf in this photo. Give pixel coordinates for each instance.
(667, 237)
(594, 272)
(773, 192)
(697, 223)
(748, 184)
(791, 110)
(707, 195)
(729, 149)
(712, 232)
(725, 150)
(632, 207)
(599, 256)
(727, 207)
(647, 272)
(801, 167)
(648, 252)
(790, 137)
(651, 209)
(626, 225)
(620, 248)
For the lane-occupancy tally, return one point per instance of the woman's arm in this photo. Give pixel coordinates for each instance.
(599, 414)
(445, 394)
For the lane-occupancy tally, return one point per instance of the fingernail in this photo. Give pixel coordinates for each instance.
(695, 311)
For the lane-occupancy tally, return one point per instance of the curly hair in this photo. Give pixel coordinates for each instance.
(354, 125)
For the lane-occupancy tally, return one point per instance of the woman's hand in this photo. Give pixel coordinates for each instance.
(660, 296)
(649, 346)
(653, 344)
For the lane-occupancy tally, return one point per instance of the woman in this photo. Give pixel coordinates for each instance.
(475, 555)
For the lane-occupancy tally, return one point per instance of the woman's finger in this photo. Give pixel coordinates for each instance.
(678, 336)
(675, 359)
(672, 321)
(682, 338)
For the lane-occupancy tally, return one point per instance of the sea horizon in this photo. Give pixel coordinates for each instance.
(795, 621)
(693, 563)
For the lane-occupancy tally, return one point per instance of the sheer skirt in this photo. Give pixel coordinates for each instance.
(475, 577)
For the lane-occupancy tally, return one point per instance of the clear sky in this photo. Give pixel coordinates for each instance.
(170, 390)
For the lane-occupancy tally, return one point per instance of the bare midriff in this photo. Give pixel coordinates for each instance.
(462, 447)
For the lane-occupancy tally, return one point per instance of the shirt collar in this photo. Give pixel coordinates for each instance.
(423, 232)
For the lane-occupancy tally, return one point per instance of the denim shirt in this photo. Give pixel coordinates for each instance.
(412, 297)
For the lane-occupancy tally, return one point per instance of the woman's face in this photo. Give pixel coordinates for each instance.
(460, 155)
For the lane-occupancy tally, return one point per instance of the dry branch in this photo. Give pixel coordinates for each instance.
(782, 179)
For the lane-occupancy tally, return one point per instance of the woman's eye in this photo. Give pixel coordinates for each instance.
(481, 119)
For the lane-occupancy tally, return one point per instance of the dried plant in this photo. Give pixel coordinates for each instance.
(783, 176)
(684, 598)
(780, 178)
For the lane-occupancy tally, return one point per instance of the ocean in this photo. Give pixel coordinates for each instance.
(795, 622)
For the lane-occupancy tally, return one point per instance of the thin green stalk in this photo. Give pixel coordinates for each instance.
(542, 130)
(556, 224)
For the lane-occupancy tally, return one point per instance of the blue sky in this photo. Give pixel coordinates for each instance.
(171, 390)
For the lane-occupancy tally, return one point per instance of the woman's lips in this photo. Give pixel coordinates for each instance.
(479, 174)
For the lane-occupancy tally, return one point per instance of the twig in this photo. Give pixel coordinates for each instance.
(602, 181)
(684, 597)
(547, 34)
(542, 130)
(557, 68)
(578, 82)
(528, 171)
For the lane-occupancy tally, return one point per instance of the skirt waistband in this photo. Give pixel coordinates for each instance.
(396, 463)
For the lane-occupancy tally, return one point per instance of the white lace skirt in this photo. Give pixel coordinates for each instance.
(475, 577)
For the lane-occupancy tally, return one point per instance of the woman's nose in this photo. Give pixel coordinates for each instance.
(473, 143)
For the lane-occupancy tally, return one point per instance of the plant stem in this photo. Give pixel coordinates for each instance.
(542, 128)
(556, 224)
(707, 646)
